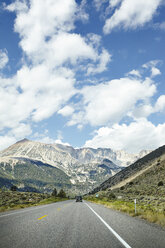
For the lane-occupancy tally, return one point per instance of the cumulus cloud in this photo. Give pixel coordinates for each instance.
(34, 93)
(104, 58)
(49, 40)
(130, 14)
(133, 137)
(46, 80)
(111, 101)
(145, 110)
(17, 6)
(3, 58)
(160, 104)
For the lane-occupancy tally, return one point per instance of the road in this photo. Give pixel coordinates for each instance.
(76, 225)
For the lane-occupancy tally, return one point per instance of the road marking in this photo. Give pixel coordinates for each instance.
(114, 233)
(42, 217)
(58, 209)
(24, 211)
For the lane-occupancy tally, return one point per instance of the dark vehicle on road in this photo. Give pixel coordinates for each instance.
(79, 198)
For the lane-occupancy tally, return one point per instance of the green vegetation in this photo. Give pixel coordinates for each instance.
(54, 193)
(62, 194)
(147, 212)
(33, 176)
(14, 200)
(148, 189)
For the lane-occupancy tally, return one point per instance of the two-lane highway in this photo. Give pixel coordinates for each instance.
(76, 225)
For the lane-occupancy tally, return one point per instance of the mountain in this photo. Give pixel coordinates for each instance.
(147, 171)
(31, 175)
(84, 168)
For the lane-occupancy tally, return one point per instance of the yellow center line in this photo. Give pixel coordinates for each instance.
(42, 217)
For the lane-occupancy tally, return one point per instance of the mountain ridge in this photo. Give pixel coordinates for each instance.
(84, 166)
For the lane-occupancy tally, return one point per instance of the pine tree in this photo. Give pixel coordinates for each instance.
(54, 193)
(62, 194)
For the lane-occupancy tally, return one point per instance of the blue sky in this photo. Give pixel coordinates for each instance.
(84, 73)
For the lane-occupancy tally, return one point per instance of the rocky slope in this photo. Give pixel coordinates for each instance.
(149, 163)
(85, 167)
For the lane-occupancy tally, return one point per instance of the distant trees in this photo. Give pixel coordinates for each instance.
(54, 193)
(62, 194)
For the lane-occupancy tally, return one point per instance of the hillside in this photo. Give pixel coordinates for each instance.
(144, 181)
(137, 169)
(34, 176)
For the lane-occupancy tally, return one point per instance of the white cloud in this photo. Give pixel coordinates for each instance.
(152, 66)
(48, 89)
(48, 140)
(155, 71)
(99, 3)
(43, 92)
(133, 137)
(3, 58)
(160, 25)
(48, 39)
(105, 58)
(40, 89)
(160, 104)
(17, 6)
(68, 48)
(6, 141)
(20, 131)
(34, 29)
(114, 3)
(66, 111)
(58, 141)
(110, 102)
(81, 13)
(145, 110)
(131, 14)
(134, 73)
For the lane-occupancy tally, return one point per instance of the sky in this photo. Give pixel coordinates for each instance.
(83, 73)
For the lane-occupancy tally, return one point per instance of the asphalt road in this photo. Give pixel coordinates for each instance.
(76, 225)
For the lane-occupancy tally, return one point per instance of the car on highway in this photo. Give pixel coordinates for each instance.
(79, 198)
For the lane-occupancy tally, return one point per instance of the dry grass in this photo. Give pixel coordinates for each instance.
(147, 212)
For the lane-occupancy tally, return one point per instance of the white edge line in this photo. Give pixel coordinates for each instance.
(28, 210)
(114, 233)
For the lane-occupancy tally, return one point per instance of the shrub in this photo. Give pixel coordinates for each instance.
(13, 188)
(160, 183)
(111, 195)
(122, 187)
